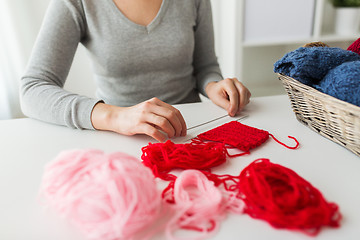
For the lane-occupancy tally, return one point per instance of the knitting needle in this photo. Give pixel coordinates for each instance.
(241, 118)
(238, 119)
(202, 124)
(213, 120)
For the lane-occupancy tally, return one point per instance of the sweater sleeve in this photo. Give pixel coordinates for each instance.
(206, 66)
(41, 89)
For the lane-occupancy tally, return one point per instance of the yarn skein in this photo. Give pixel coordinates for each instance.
(310, 65)
(281, 197)
(164, 157)
(106, 196)
(343, 82)
(199, 204)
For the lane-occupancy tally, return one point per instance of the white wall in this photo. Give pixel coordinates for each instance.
(29, 15)
(227, 23)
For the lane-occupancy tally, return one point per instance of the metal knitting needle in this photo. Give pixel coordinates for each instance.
(202, 124)
(213, 120)
(240, 118)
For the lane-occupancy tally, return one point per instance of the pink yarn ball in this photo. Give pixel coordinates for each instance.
(199, 205)
(107, 196)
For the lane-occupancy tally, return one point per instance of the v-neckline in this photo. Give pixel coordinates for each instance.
(148, 28)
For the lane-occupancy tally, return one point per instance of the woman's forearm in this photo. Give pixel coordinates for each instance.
(103, 115)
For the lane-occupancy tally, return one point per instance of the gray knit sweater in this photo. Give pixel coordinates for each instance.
(172, 58)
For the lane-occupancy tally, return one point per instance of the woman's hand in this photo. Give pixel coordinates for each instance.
(152, 117)
(229, 94)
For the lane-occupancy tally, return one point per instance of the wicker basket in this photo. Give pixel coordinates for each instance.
(335, 119)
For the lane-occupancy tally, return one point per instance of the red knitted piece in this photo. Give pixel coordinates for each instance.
(281, 197)
(355, 46)
(164, 157)
(238, 135)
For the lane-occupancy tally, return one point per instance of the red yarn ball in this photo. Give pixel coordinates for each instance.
(164, 157)
(355, 46)
(281, 197)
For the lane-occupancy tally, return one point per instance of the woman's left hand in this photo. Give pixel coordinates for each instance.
(229, 94)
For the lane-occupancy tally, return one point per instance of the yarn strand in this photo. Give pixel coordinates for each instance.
(296, 141)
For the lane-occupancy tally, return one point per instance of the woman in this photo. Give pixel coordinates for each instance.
(146, 55)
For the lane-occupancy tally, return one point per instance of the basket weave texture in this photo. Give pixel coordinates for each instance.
(332, 118)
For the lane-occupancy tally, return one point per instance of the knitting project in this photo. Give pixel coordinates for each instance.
(238, 135)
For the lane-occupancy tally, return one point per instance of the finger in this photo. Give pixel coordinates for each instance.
(222, 100)
(182, 121)
(233, 94)
(151, 113)
(243, 95)
(152, 132)
(161, 123)
(248, 96)
(163, 113)
(173, 115)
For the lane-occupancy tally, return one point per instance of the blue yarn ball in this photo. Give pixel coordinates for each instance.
(343, 82)
(310, 65)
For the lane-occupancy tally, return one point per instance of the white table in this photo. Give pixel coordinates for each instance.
(26, 145)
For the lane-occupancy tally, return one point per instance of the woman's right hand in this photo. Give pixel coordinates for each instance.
(153, 117)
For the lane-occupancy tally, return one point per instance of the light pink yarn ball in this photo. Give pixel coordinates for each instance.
(198, 205)
(107, 196)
